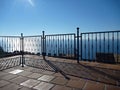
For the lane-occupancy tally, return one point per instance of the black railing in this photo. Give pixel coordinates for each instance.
(90, 46)
(61, 45)
(9, 45)
(101, 46)
(33, 44)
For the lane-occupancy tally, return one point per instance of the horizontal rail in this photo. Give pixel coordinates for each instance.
(33, 36)
(10, 36)
(60, 34)
(100, 32)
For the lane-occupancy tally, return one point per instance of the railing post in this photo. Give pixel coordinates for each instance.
(77, 44)
(22, 49)
(43, 45)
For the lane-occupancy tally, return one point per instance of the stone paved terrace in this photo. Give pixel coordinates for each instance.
(83, 76)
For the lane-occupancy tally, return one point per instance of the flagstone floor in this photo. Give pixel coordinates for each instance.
(30, 78)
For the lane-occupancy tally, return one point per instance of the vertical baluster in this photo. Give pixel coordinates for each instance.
(29, 49)
(74, 47)
(39, 44)
(71, 54)
(47, 47)
(16, 44)
(7, 44)
(100, 41)
(35, 44)
(96, 42)
(58, 45)
(68, 47)
(63, 47)
(100, 44)
(2, 42)
(92, 50)
(26, 45)
(85, 46)
(108, 43)
(31, 45)
(88, 47)
(117, 46)
(81, 46)
(104, 42)
(55, 44)
(13, 45)
(51, 45)
(45, 41)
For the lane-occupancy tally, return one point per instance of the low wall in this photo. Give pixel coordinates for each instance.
(108, 57)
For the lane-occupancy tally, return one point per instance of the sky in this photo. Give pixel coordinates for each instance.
(31, 17)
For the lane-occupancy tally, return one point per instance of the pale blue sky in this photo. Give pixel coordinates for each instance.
(58, 16)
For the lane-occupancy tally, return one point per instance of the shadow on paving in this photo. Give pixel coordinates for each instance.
(38, 63)
(43, 64)
(10, 62)
(88, 72)
(98, 74)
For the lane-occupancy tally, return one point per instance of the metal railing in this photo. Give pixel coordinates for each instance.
(61, 45)
(101, 46)
(9, 45)
(33, 44)
(90, 46)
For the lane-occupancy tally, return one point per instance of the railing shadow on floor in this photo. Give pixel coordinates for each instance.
(87, 72)
(101, 72)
